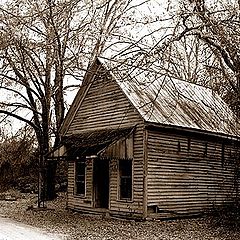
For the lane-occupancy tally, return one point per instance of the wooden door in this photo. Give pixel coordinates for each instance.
(101, 183)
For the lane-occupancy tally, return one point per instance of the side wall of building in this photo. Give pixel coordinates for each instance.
(187, 174)
(106, 106)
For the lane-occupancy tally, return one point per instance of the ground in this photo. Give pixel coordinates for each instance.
(65, 224)
(13, 230)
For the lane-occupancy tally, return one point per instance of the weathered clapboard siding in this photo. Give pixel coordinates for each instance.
(87, 199)
(181, 169)
(134, 206)
(71, 178)
(186, 174)
(106, 106)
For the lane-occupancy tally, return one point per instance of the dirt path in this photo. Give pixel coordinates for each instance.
(56, 222)
(12, 230)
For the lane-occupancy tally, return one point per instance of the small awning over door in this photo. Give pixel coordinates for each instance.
(94, 142)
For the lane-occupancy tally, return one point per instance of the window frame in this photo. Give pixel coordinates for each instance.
(81, 161)
(120, 198)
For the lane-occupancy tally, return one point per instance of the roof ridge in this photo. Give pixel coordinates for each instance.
(158, 102)
(100, 58)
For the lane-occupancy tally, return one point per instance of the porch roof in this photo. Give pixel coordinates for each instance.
(93, 142)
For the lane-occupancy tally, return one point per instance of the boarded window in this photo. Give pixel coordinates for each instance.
(80, 176)
(125, 174)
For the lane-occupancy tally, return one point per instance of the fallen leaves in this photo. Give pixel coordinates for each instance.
(72, 225)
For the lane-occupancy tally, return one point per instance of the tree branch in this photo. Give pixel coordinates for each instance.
(20, 118)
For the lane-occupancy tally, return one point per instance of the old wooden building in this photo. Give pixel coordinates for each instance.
(142, 145)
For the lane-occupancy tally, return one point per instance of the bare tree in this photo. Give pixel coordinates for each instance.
(46, 46)
(16, 157)
(198, 42)
(43, 44)
(216, 25)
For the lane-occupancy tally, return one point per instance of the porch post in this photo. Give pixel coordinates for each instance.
(145, 172)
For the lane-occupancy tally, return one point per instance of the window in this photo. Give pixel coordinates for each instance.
(80, 176)
(125, 175)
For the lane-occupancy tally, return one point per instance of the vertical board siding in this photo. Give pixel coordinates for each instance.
(106, 106)
(122, 149)
(187, 175)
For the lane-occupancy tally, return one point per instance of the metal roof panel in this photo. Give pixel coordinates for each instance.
(165, 100)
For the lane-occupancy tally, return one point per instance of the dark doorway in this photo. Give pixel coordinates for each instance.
(101, 183)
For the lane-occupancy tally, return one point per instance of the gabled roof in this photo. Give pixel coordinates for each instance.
(89, 77)
(163, 100)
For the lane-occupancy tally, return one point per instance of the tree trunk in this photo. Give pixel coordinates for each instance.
(51, 167)
(238, 96)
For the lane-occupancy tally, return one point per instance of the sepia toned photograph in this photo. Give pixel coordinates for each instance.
(119, 119)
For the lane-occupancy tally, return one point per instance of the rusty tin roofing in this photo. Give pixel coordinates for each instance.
(96, 137)
(165, 100)
(94, 141)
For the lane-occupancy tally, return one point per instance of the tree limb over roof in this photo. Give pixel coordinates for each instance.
(162, 99)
